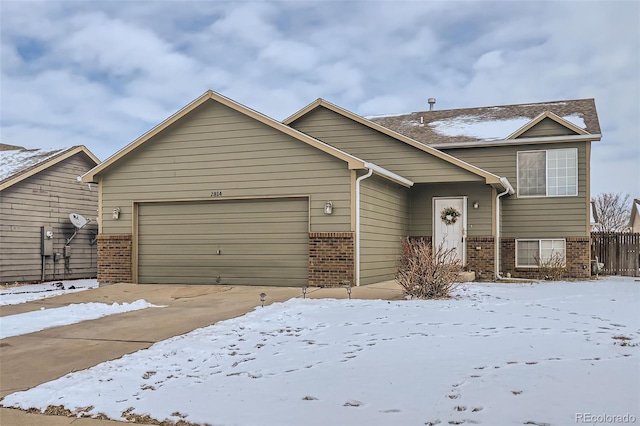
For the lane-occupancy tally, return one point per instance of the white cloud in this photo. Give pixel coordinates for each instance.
(290, 56)
(105, 72)
(248, 23)
(489, 61)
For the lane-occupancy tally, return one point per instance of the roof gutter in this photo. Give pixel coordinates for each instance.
(521, 141)
(508, 189)
(389, 175)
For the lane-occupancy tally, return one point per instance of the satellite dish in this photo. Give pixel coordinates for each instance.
(78, 220)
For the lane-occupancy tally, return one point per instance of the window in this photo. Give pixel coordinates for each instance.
(528, 252)
(549, 173)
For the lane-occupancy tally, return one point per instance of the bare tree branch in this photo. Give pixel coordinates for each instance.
(612, 211)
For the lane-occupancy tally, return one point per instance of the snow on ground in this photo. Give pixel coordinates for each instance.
(496, 354)
(29, 322)
(25, 293)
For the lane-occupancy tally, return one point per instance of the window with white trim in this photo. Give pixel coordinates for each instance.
(548, 173)
(528, 252)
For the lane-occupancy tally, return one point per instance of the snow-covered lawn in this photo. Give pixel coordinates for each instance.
(12, 295)
(496, 354)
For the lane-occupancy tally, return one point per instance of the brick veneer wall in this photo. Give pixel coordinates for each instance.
(578, 254)
(331, 259)
(480, 257)
(579, 257)
(114, 258)
(508, 260)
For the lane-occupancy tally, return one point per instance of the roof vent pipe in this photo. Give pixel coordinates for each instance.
(432, 102)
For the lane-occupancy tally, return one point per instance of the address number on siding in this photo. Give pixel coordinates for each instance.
(216, 193)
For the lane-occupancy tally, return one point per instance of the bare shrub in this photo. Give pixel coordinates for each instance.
(425, 272)
(551, 269)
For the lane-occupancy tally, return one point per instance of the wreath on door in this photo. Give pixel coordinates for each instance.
(449, 215)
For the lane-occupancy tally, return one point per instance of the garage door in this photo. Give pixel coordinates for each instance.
(248, 242)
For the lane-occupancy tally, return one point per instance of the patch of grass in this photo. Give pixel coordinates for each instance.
(624, 341)
(148, 374)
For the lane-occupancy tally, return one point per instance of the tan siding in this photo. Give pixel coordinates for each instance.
(260, 242)
(547, 127)
(478, 220)
(384, 221)
(46, 199)
(540, 217)
(215, 148)
(370, 145)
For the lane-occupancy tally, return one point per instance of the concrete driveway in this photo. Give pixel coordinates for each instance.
(29, 360)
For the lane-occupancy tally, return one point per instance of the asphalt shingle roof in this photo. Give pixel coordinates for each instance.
(15, 160)
(485, 123)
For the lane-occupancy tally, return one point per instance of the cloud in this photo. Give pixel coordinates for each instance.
(105, 72)
(289, 56)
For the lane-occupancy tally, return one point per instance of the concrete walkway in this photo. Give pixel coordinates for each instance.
(29, 360)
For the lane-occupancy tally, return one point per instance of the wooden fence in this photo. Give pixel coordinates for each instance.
(619, 252)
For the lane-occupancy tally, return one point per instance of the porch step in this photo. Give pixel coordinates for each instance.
(466, 276)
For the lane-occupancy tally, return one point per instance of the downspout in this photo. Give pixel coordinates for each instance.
(508, 190)
(357, 246)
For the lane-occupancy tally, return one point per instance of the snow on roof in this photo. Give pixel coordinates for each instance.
(15, 161)
(485, 123)
(576, 119)
(479, 127)
(393, 114)
(475, 127)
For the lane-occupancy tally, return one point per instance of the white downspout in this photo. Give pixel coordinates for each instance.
(508, 190)
(357, 247)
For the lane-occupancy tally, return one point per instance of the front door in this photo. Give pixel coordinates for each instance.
(450, 224)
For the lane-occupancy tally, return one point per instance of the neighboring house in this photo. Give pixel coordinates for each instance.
(39, 189)
(593, 218)
(634, 218)
(221, 194)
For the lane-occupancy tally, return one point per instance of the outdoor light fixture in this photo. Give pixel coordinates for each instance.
(263, 297)
(304, 292)
(328, 207)
(476, 204)
(116, 213)
(349, 291)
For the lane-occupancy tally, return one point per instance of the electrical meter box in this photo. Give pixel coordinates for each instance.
(46, 246)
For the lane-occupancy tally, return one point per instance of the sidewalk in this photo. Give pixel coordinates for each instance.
(32, 359)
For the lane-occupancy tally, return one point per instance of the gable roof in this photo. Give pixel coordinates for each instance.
(18, 163)
(488, 126)
(352, 161)
(489, 177)
(551, 116)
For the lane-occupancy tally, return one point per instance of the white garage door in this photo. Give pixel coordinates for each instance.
(245, 242)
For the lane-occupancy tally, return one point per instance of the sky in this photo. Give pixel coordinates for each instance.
(103, 73)
(494, 354)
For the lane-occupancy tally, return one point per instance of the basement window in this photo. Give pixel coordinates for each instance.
(528, 252)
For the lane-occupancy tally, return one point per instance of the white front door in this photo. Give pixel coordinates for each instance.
(450, 224)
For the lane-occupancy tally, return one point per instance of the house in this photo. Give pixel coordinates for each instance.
(634, 217)
(39, 189)
(544, 149)
(219, 193)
